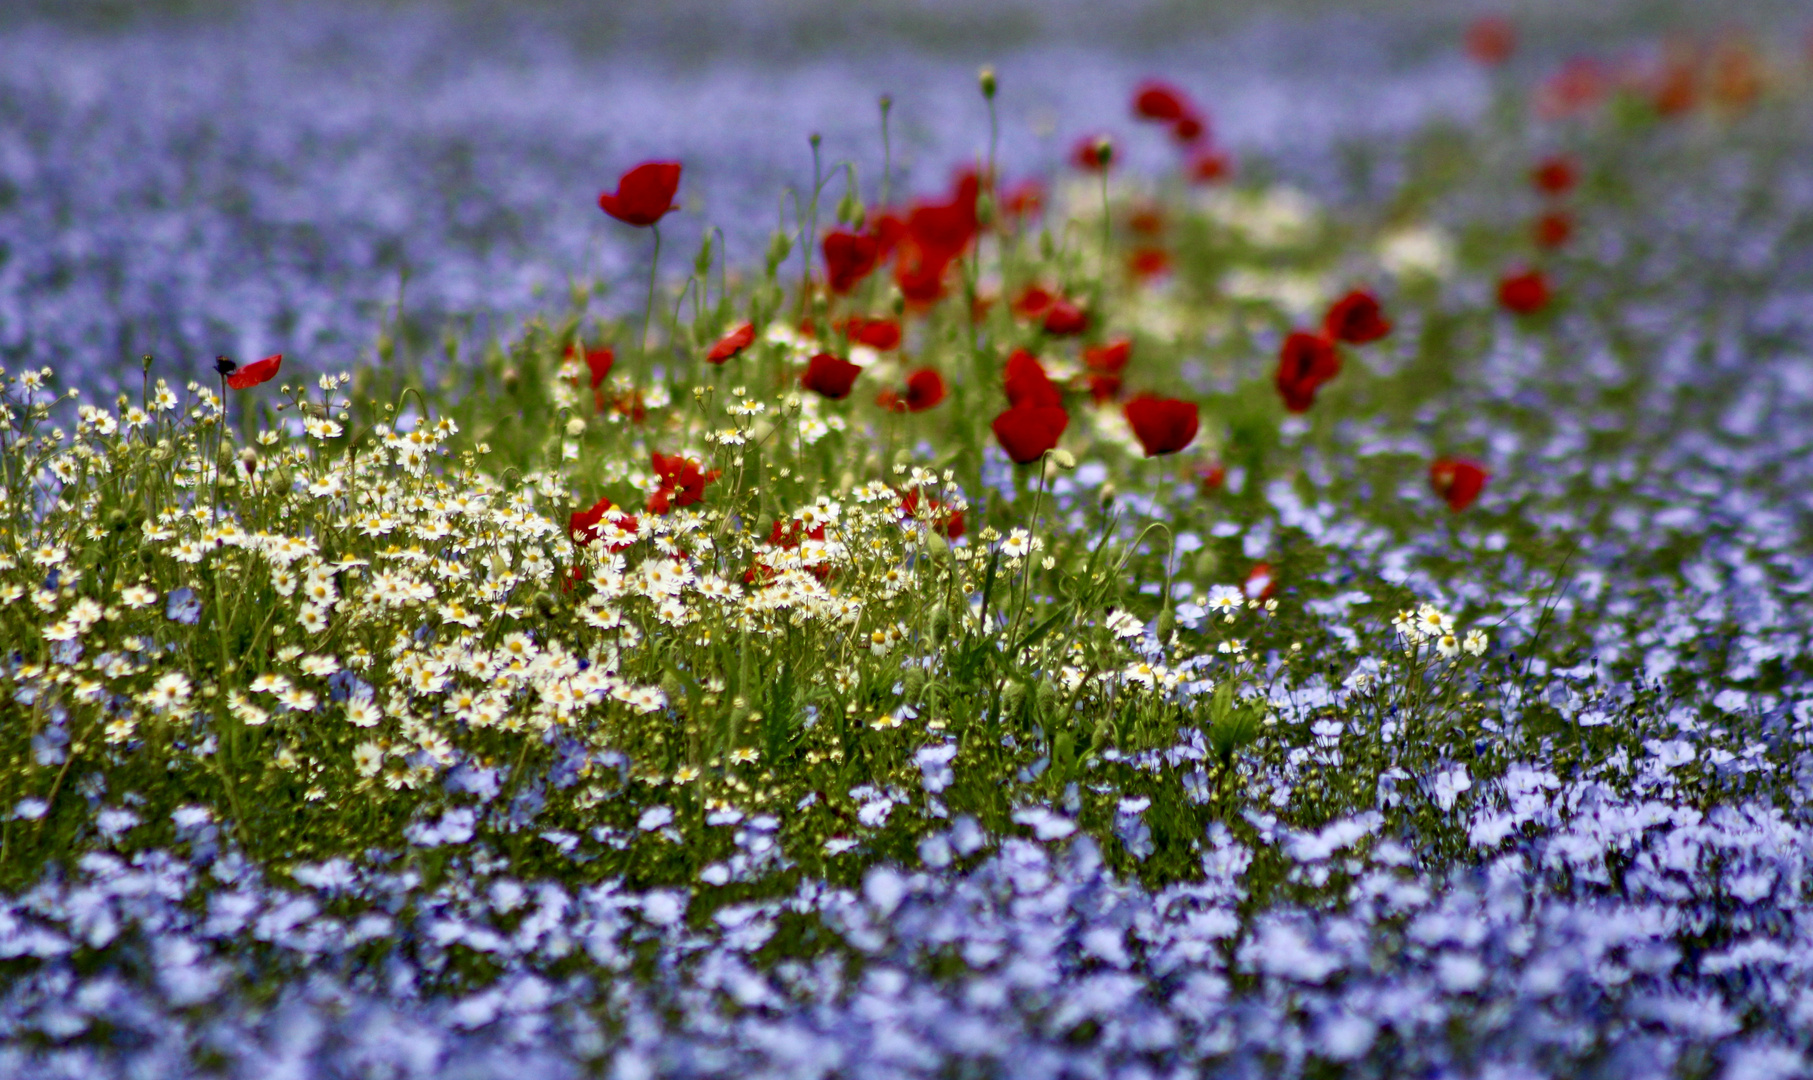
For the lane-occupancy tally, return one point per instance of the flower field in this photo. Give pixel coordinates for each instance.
(1118, 622)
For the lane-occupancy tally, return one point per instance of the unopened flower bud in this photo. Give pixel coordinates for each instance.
(987, 78)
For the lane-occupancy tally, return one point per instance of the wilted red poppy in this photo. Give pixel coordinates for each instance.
(1160, 101)
(1026, 432)
(732, 343)
(1093, 153)
(1304, 363)
(1162, 425)
(1211, 478)
(849, 257)
(879, 334)
(1457, 481)
(1554, 175)
(1525, 293)
(254, 373)
(830, 375)
(584, 525)
(1064, 318)
(1027, 383)
(948, 522)
(1260, 582)
(1211, 167)
(1553, 229)
(1491, 39)
(1356, 319)
(644, 195)
(1110, 358)
(1149, 263)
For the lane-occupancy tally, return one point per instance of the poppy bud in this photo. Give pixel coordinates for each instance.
(1013, 697)
(987, 78)
(779, 247)
(1063, 749)
(117, 520)
(940, 623)
(702, 265)
(145, 361)
(1107, 495)
(248, 458)
(913, 682)
(985, 209)
(1167, 623)
(224, 366)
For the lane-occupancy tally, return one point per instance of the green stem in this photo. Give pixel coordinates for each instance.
(654, 266)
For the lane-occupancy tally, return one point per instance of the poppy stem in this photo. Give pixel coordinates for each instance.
(887, 154)
(654, 265)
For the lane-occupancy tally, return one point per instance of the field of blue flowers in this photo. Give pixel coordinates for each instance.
(1074, 591)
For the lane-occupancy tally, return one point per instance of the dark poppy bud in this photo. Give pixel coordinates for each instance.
(222, 365)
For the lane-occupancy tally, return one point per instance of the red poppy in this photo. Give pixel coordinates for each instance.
(1027, 383)
(1578, 86)
(830, 375)
(1304, 363)
(1554, 175)
(1260, 582)
(1553, 229)
(1160, 101)
(1211, 167)
(1104, 388)
(1676, 88)
(631, 405)
(1356, 319)
(583, 525)
(880, 334)
(732, 343)
(644, 195)
(924, 390)
(1147, 220)
(598, 361)
(1032, 302)
(1162, 425)
(1525, 293)
(682, 482)
(1148, 263)
(1491, 39)
(1026, 432)
(1211, 478)
(1093, 153)
(1025, 199)
(1189, 129)
(1109, 359)
(948, 522)
(252, 374)
(944, 230)
(1457, 481)
(849, 257)
(919, 274)
(1065, 318)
